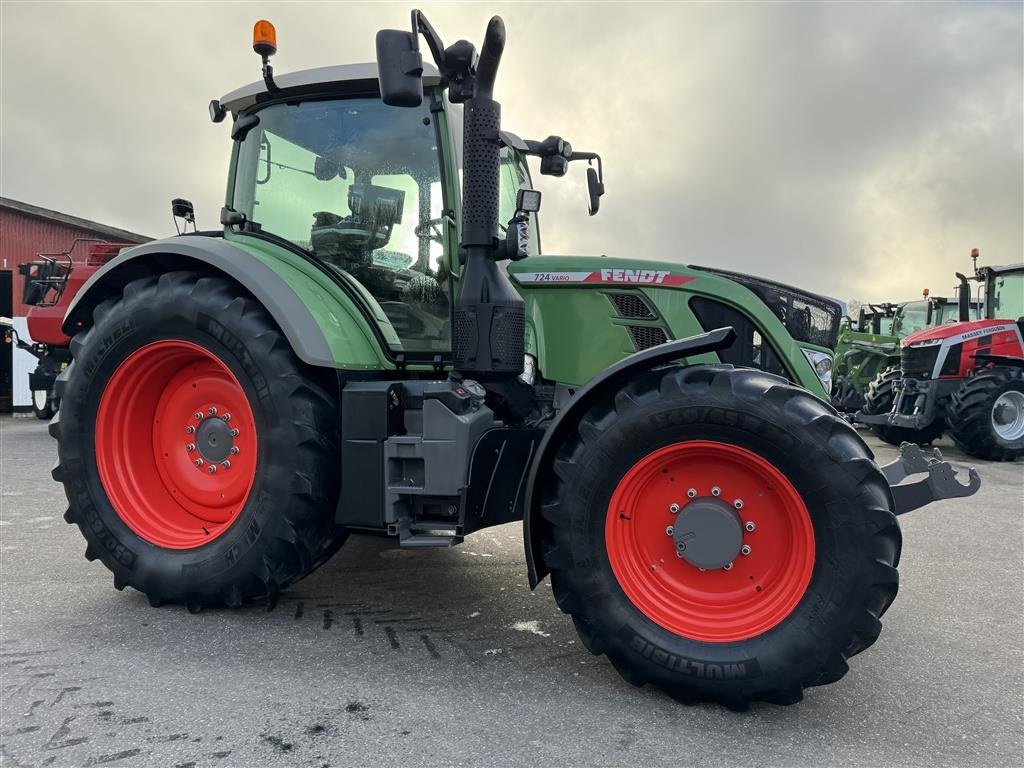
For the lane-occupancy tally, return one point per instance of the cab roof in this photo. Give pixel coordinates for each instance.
(338, 78)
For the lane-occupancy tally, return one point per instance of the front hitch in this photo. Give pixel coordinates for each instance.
(941, 481)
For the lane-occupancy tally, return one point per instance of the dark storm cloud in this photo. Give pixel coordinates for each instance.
(858, 150)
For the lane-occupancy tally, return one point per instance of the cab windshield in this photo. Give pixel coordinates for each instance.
(913, 316)
(357, 184)
(1006, 297)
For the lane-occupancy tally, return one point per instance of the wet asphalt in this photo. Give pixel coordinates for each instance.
(390, 657)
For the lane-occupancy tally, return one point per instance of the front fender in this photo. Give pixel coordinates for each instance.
(322, 325)
(606, 382)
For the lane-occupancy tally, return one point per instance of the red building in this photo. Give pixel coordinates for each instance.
(25, 232)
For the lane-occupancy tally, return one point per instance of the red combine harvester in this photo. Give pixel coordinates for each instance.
(965, 378)
(51, 283)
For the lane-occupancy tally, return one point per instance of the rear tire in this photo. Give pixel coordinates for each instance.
(128, 430)
(879, 400)
(986, 415)
(787, 614)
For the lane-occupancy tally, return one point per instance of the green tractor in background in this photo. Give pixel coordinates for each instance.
(366, 346)
(868, 349)
(864, 348)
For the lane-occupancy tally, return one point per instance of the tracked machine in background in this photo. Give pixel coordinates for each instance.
(349, 354)
(965, 378)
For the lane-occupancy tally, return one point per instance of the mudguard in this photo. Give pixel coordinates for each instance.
(321, 326)
(607, 381)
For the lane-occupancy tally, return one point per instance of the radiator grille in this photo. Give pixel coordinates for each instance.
(918, 362)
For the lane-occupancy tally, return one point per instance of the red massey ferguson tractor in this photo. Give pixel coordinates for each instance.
(965, 378)
(51, 283)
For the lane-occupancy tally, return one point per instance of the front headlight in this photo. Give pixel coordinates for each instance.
(821, 362)
(928, 343)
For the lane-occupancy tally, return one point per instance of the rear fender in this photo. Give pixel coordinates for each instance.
(602, 385)
(322, 325)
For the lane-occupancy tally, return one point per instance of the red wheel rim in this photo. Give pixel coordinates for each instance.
(171, 411)
(716, 605)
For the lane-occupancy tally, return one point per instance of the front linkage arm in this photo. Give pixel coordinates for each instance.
(941, 481)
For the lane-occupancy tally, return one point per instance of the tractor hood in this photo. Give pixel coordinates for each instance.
(807, 317)
(965, 330)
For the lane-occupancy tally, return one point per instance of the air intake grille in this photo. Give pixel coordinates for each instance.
(631, 306)
(645, 337)
(918, 362)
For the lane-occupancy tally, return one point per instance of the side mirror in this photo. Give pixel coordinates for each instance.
(399, 68)
(6, 322)
(595, 187)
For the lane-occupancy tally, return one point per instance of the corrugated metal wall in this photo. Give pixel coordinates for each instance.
(23, 237)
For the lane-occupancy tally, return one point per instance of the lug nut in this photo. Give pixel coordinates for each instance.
(212, 411)
(212, 468)
(226, 417)
(679, 554)
(668, 531)
(750, 525)
(673, 508)
(234, 450)
(190, 447)
(738, 503)
(234, 432)
(198, 415)
(716, 491)
(190, 430)
(727, 567)
(745, 549)
(198, 462)
(692, 493)
(227, 465)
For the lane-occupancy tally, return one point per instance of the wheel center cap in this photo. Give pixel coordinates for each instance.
(214, 440)
(708, 533)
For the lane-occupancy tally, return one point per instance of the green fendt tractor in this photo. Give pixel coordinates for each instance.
(349, 354)
(867, 350)
(864, 348)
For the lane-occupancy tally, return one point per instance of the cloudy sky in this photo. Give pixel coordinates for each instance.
(859, 150)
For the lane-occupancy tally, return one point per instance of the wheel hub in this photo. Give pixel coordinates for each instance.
(176, 444)
(1008, 415)
(708, 533)
(214, 440)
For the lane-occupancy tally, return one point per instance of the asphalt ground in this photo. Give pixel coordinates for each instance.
(445, 657)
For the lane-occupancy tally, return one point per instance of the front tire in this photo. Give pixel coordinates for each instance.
(799, 592)
(43, 404)
(196, 451)
(986, 415)
(879, 400)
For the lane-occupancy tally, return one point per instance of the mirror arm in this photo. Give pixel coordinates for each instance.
(589, 157)
(423, 27)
